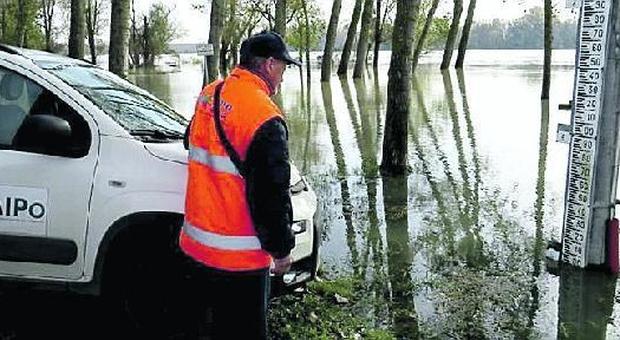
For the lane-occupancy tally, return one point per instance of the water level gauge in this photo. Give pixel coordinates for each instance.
(586, 112)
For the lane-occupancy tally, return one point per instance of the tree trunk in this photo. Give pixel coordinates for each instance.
(119, 34)
(76, 32)
(234, 52)
(548, 41)
(343, 66)
(454, 30)
(375, 56)
(147, 51)
(422, 39)
(91, 21)
(134, 52)
(223, 59)
(93, 47)
(3, 23)
(326, 62)
(48, 14)
(460, 59)
(307, 38)
(215, 37)
(21, 23)
(400, 254)
(280, 25)
(362, 43)
(394, 161)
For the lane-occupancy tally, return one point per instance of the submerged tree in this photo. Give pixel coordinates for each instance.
(326, 62)
(548, 47)
(460, 59)
(76, 33)
(380, 22)
(362, 42)
(399, 91)
(422, 38)
(343, 66)
(454, 29)
(306, 30)
(119, 36)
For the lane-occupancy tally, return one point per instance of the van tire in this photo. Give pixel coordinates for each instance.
(145, 279)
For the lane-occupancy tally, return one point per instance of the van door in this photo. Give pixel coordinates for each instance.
(48, 153)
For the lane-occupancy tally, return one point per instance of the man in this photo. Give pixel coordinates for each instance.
(238, 209)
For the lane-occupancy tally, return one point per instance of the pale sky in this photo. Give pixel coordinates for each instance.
(195, 24)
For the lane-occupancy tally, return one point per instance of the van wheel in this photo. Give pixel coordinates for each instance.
(146, 282)
(316, 250)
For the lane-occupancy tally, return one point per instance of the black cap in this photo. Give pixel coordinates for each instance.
(266, 44)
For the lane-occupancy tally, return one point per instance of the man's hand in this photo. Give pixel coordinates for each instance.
(281, 266)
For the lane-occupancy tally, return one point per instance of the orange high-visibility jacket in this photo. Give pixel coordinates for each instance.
(218, 229)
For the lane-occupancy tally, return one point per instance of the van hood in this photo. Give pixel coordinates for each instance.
(175, 152)
(172, 152)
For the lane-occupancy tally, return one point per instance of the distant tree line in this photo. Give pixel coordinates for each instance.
(522, 33)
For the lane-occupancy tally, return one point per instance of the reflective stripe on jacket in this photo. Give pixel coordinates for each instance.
(218, 229)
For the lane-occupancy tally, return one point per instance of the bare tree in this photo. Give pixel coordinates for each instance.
(379, 25)
(326, 63)
(454, 30)
(119, 34)
(394, 161)
(343, 67)
(362, 43)
(76, 32)
(548, 47)
(424, 34)
(460, 59)
(47, 12)
(94, 11)
(134, 48)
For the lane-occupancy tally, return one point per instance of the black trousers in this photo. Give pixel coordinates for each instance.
(230, 305)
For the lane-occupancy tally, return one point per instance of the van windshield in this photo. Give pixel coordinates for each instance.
(133, 108)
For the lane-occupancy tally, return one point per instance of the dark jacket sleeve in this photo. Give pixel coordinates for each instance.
(267, 188)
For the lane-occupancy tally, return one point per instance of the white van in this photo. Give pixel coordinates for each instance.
(92, 184)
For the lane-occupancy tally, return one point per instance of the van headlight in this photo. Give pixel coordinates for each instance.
(299, 227)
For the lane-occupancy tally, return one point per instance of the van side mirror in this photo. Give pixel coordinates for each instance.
(44, 134)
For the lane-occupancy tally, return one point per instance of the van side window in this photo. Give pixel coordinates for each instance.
(21, 98)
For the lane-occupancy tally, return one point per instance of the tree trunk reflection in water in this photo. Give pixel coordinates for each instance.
(534, 298)
(586, 303)
(456, 132)
(378, 109)
(475, 205)
(443, 158)
(373, 242)
(455, 239)
(400, 258)
(344, 187)
(307, 105)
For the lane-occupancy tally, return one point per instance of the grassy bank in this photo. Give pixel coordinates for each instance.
(325, 310)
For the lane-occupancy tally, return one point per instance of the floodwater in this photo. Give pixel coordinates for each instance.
(456, 248)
